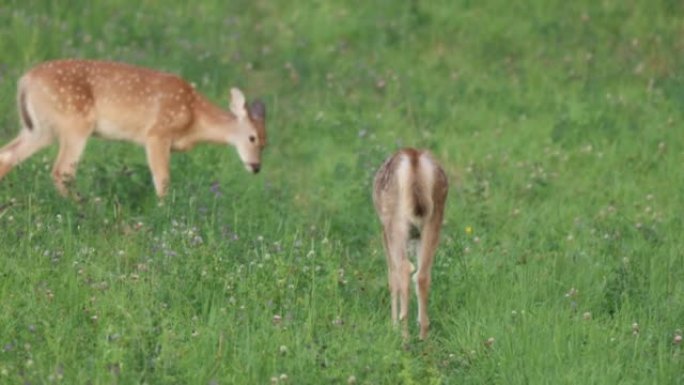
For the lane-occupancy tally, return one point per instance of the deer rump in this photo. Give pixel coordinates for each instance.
(404, 187)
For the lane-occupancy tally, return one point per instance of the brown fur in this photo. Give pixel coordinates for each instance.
(409, 194)
(70, 100)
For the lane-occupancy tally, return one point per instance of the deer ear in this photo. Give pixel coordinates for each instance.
(237, 103)
(257, 110)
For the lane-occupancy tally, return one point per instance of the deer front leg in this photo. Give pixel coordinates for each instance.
(158, 152)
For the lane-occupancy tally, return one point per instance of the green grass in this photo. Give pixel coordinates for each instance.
(559, 125)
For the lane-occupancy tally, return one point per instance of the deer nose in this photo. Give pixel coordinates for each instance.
(255, 167)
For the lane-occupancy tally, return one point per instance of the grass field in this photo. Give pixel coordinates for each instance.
(559, 124)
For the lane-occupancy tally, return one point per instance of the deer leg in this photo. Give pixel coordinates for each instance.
(158, 156)
(423, 277)
(64, 170)
(390, 278)
(19, 149)
(6, 155)
(401, 273)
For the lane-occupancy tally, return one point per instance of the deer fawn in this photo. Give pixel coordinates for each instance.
(70, 100)
(409, 194)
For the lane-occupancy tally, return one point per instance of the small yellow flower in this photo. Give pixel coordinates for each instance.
(469, 230)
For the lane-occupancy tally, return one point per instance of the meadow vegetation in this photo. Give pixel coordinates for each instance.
(559, 124)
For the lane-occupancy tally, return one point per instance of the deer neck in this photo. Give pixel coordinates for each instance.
(211, 125)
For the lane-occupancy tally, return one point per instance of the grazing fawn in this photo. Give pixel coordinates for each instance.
(70, 100)
(409, 193)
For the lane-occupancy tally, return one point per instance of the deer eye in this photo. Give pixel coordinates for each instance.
(252, 138)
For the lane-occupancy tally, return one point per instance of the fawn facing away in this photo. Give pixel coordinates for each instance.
(409, 194)
(70, 100)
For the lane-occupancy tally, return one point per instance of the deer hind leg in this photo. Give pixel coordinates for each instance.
(64, 170)
(394, 311)
(22, 147)
(423, 277)
(400, 274)
(6, 155)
